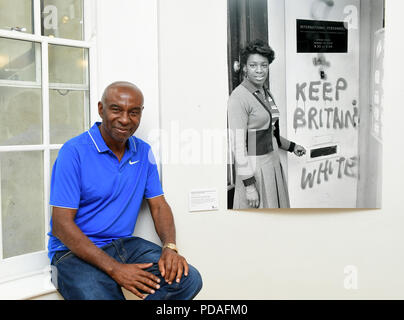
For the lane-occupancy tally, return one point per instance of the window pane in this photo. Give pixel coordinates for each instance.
(53, 156)
(62, 18)
(22, 207)
(67, 115)
(68, 65)
(18, 60)
(16, 14)
(21, 116)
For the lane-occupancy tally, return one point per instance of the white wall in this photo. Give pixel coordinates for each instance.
(293, 254)
(127, 43)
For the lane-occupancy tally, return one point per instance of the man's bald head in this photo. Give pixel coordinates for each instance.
(118, 87)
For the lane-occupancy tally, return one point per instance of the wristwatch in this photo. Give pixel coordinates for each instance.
(171, 246)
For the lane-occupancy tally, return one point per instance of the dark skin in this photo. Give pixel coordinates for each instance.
(120, 110)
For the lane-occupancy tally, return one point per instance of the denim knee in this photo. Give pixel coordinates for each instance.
(190, 285)
(194, 282)
(186, 289)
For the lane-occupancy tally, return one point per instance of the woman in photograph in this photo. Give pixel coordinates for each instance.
(254, 126)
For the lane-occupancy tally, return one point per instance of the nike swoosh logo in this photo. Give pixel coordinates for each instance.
(130, 162)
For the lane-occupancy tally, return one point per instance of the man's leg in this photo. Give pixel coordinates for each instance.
(138, 250)
(75, 279)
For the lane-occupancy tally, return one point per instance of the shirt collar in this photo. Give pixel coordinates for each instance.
(99, 143)
(250, 87)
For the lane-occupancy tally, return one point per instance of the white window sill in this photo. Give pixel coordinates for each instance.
(27, 287)
(36, 286)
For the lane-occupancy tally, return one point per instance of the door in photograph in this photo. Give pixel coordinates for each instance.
(247, 21)
(322, 89)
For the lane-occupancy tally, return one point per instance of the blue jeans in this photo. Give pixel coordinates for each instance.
(75, 279)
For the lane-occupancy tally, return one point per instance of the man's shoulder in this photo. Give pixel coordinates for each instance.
(140, 144)
(79, 139)
(78, 143)
(144, 150)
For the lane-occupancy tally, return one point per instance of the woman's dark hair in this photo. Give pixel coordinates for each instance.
(257, 47)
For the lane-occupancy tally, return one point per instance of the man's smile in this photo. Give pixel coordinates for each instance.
(122, 130)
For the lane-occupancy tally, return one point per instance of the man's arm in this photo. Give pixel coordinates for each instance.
(130, 276)
(171, 264)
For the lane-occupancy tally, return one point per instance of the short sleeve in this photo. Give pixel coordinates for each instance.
(153, 185)
(66, 179)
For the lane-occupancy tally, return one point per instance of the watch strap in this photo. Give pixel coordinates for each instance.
(171, 246)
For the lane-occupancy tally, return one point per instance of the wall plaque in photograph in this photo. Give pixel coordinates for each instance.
(321, 36)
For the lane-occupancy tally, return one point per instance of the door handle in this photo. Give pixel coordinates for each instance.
(236, 66)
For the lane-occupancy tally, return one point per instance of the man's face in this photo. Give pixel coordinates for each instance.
(257, 69)
(121, 111)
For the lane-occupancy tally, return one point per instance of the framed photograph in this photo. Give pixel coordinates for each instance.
(304, 118)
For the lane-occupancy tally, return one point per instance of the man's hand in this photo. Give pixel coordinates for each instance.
(172, 266)
(133, 277)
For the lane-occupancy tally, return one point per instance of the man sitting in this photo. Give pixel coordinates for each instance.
(98, 183)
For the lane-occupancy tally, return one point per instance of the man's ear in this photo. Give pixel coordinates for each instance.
(100, 109)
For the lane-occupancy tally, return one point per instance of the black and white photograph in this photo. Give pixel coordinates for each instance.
(305, 108)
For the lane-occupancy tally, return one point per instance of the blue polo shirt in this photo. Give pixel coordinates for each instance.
(107, 194)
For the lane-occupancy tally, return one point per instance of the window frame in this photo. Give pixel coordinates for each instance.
(37, 263)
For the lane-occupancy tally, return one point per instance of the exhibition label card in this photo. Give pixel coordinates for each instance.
(203, 200)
